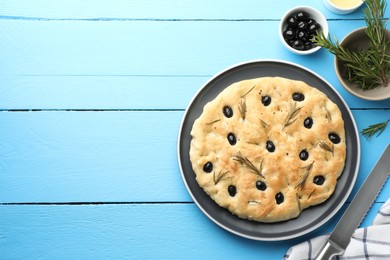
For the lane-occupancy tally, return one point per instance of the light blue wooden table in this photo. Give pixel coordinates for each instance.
(92, 94)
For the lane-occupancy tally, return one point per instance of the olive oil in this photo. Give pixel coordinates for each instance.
(346, 3)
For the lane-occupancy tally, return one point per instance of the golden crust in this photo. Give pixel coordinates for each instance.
(292, 184)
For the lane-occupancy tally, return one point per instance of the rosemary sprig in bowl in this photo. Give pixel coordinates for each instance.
(363, 54)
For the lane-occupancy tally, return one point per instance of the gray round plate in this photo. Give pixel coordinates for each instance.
(310, 218)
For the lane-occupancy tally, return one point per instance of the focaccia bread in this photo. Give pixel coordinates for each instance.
(267, 148)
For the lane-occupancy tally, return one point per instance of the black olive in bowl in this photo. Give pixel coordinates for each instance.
(298, 26)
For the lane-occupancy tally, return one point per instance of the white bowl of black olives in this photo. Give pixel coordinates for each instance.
(298, 26)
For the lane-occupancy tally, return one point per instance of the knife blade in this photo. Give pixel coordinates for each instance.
(339, 239)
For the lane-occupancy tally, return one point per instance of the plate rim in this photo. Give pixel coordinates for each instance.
(297, 234)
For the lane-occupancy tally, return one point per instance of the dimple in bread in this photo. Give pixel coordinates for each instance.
(267, 148)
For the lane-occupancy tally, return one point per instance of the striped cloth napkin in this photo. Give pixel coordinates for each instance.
(372, 242)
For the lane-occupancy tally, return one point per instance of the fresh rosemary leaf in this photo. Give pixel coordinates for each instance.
(311, 193)
(242, 109)
(248, 91)
(327, 147)
(215, 121)
(219, 176)
(291, 116)
(328, 115)
(302, 180)
(373, 129)
(247, 163)
(264, 125)
(299, 203)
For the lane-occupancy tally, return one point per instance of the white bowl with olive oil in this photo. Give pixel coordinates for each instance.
(343, 6)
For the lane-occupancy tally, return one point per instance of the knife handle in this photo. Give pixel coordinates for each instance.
(328, 251)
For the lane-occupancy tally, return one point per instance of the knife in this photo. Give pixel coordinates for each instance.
(339, 239)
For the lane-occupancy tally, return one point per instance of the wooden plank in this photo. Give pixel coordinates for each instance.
(94, 156)
(129, 232)
(146, 47)
(119, 92)
(98, 92)
(41, 74)
(111, 156)
(154, 9)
